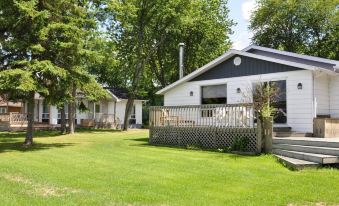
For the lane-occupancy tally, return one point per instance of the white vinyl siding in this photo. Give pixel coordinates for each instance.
(321, 92)
(138, 112)
(106, 107)
(54, 115)
(121, 107)
(299, 102)
(334, 96)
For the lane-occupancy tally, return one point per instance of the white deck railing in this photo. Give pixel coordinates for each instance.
(234, 116)
(4, 117)
(14, 118)
(17, 118)
(105, 118)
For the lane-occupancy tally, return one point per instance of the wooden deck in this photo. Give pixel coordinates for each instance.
(5, 126)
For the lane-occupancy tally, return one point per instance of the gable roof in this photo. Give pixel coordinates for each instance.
(293, 57)
(291, 54)
(119, 93)
(233, 52)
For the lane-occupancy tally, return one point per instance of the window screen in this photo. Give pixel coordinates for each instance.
(216, 94)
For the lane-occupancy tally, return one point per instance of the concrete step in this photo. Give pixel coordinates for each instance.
(318, 158)
(4, 126)
(4, 129)
(316, 142)
(282, 129)
(308, 149)
(296, 163)
(291, 134)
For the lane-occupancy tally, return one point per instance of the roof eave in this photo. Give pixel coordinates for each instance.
(113, 96)
(291, 54)
(231, 53)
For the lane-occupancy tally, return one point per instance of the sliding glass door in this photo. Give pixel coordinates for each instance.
(280, 102)
(280, 105)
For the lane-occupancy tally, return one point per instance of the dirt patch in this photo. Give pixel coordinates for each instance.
(39, 189)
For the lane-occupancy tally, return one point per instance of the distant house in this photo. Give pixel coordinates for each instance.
(309, 85)
(7, 106)
(107, 113)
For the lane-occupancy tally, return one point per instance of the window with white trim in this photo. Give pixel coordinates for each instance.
(214, 94)
(3, 110)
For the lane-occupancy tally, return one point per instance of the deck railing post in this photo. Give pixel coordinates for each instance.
(268, 134)
(150, 117)
(259, 136)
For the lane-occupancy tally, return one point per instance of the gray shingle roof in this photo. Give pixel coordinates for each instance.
(121, 93)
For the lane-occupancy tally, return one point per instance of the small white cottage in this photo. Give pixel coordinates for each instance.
(107, 113)
(309, 85)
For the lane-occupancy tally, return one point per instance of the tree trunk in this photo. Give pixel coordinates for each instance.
(30, 119)
(63, 120)
(71, 112)
(128, 110)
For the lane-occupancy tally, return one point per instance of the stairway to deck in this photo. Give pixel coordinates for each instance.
(287, 132)
(301, 152)
(4, 126)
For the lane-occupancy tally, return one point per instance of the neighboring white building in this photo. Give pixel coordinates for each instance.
(310, 85)
(110, 111)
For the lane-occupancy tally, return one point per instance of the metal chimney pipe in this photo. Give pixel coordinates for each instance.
(181, 60)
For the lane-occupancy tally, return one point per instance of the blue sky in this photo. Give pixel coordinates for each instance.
(240, 11)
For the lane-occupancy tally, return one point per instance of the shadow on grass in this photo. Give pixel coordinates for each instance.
(139, 139)
(90, 130)
(48, 133)
(13, 141)
(233, 155)
(37, 134)
(18, 146)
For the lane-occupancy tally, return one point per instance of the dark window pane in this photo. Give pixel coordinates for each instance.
(97, 108)
(214, 100)
(216, 94)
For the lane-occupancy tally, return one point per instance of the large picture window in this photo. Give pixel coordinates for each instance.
(280, 113)
(215, 94)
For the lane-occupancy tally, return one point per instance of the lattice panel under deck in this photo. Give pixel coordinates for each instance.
(206, 137)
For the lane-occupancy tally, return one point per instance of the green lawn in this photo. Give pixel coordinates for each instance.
(120, 168)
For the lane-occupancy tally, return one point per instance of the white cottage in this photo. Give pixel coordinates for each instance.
(310, 84)
(109, 112)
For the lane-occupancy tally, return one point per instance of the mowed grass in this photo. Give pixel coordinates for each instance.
(120, 168)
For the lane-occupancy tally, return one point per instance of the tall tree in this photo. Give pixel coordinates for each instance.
(67, 40)
(24, 70)
(307, 26)
(44, 50)
(147, 34)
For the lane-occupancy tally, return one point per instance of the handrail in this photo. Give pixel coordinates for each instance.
(215, 115)
(201, 106)
(18, 118)
(4, 117)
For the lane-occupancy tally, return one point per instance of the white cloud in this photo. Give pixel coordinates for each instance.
(247, 8)
(242, 40)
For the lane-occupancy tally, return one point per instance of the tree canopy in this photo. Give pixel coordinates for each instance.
(45, 50)
(308, 27)
(143, 41)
